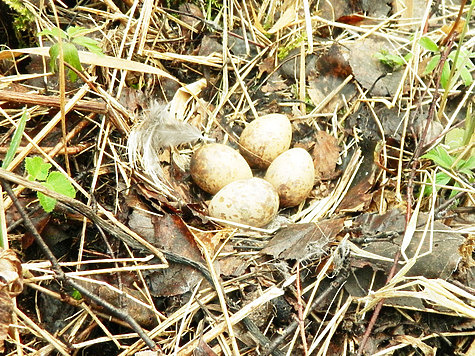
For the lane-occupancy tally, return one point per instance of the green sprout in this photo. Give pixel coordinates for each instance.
(455, 140)
(38, 170)
(461, 61)
(391, 60)
(71, 38)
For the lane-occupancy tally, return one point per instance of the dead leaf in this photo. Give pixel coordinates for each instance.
(332, 69)
(347, 11)
(136, 308)
(274, 83)
(203, 349)
(171, 234)
(209, 45)
(441, 262)
(359, 197)
(192, 21)
(11, 284)
(186, 93)
(369, 71)
(304, 241)
(325, 155)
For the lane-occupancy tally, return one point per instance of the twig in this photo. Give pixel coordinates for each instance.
(410, 189)
(51, 101)
(300, 317)
(61, 276)
(334, 285)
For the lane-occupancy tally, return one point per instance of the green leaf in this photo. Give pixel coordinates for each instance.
(53, 55)
(55, 32)
(454, 138)
(466, 76)
(444, 76)
(467, 164)
(440, 178)
(36, 168)
(440, 157)
(60, 184)
(71, 56)
(76, 294)
(428, 44)
(46, 202)
(16, 139)
(74, 31)
(432, 64)
(45, 32)
(91, 44)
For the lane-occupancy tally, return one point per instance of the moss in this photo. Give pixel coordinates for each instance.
(22, 19)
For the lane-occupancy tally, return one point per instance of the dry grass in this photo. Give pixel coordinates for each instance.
(147, 47)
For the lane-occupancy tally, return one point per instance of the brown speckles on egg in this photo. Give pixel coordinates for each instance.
(214, 166)
(265, 138)
(292, 174)
(251, 202)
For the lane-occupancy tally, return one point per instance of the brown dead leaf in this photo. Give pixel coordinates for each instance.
(136, 308)
(274, 83)
(203, 349)
(325, 155)
(369, 71)
(359, 197)
(266, 66)
(347, 11)
(171, 234)
(11, 284)
(192, 21)
(209, 45)
(441, 262)
(303, 241)
(332, 69)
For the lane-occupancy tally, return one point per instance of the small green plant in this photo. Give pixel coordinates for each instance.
(71, 38)
(284, 51)
(75, 294)
(391, 60)
(23, 18)
(454, 140)
(462, 62)
(39, 171)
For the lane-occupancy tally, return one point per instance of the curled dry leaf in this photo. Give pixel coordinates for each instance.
(11, 284)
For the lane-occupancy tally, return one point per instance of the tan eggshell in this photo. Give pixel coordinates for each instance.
(251, 202)
(215, 165)
(292, 174)
(264, 139)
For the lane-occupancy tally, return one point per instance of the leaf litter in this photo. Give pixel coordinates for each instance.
(387, 224)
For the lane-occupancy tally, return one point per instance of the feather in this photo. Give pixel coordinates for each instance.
(158, 129)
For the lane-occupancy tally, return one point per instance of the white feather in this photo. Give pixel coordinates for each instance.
(158, 129)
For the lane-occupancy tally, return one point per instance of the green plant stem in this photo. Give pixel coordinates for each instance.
(443, 101)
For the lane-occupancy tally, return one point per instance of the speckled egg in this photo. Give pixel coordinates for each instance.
(292, 174)
(252, 202)
(264, 139)
(216, 165)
